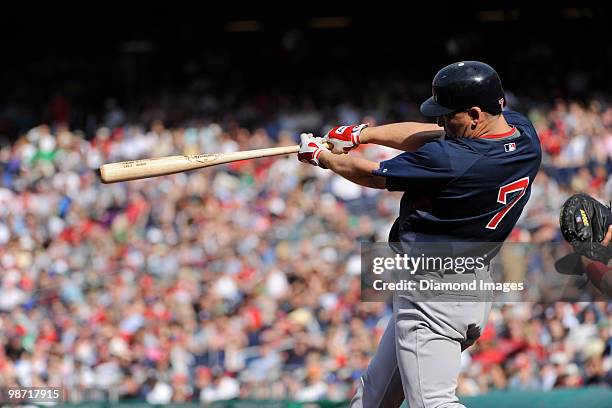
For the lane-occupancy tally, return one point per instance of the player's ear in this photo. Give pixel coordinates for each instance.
(476, 116)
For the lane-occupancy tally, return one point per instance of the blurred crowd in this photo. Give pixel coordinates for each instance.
(243, 280)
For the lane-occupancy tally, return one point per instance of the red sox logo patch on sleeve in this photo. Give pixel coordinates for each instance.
(510, 147)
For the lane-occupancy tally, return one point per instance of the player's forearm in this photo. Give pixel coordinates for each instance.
(354, 169)
(406, 136)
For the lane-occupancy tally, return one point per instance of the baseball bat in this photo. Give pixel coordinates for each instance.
(161, 166)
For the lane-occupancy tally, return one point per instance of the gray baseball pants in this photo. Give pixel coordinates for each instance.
(419, 355)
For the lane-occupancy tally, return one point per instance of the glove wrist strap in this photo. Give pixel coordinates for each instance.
(356, 134)
(316, 155)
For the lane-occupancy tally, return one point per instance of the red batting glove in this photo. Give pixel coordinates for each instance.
(344, 138)
(310, 149)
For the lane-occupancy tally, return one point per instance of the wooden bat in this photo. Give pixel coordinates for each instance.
(161, 166)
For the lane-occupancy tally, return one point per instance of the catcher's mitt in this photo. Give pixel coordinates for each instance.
(584, 222)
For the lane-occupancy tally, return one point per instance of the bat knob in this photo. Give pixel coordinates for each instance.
(100, 177)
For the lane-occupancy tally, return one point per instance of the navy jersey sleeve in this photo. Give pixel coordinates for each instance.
(521, 122)
(426, 170)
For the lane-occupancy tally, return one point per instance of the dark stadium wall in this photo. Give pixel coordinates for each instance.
(134, 54)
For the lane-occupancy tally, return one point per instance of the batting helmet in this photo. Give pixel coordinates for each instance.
(462, 85)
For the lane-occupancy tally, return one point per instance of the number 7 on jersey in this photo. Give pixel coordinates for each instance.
(502, 198)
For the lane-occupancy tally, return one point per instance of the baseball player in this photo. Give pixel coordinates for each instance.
(465, 179)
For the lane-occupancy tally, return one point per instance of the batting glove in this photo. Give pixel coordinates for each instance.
(310, 149)
(344, 138)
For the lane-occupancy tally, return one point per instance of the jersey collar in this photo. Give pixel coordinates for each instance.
(500, 135)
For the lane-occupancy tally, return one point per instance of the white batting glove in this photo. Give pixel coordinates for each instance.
(344, 138)
(310, 149)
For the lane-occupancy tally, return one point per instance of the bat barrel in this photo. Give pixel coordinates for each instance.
(145, 168)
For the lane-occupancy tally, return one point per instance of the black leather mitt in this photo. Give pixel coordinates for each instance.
(584, 222)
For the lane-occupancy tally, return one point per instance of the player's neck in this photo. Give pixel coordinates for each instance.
(497, 125)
